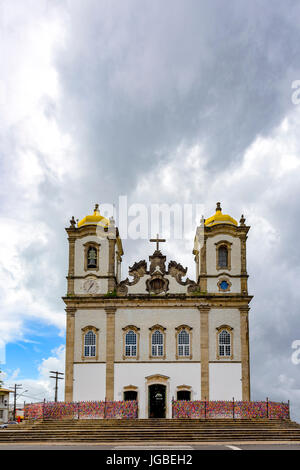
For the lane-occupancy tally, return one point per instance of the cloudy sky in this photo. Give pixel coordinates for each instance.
(162, 102)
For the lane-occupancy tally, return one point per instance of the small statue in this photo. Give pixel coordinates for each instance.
(243, 220)
(73, 222)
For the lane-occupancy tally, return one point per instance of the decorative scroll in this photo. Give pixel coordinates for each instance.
(137, 271)
(177, 271)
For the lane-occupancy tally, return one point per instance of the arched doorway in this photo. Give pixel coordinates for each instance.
(157, 401)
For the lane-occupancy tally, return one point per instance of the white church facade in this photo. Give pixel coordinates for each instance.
(157, 335)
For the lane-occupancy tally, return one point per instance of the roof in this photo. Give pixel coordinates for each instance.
(96, 218)
(220, 218)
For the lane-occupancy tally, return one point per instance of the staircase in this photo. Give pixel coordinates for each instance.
(153, 430)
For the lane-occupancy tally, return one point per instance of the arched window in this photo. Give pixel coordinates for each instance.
(183, 338)
(90, 344)
(130, 344)
(223, 257)
(157, 343)
(92, 257)
(183, 343)
(224, 343)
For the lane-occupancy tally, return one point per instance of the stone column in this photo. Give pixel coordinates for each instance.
(71, 271)
(204, 344)
(70, 338)
(244, 325)
(110, 352)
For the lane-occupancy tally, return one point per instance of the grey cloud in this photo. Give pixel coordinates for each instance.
(140, 78)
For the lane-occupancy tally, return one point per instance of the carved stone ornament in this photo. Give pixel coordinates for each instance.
(138, 270)
(177, 271)
(157, 260)
(157, 284)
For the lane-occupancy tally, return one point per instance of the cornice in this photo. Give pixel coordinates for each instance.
(211, 301)
(236, 231)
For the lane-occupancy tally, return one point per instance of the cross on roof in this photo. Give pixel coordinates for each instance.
(157, 240)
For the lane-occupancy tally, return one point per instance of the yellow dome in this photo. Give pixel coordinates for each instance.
(96, 218)
(220, 218)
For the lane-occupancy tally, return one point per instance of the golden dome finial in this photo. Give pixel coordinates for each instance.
(96, 218)
(220, 218)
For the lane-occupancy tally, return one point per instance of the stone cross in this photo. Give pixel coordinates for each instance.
(157, 240)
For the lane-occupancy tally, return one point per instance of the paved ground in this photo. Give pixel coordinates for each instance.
(153, 447)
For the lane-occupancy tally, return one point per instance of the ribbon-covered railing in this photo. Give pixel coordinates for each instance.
(82, 410)
(230, 409)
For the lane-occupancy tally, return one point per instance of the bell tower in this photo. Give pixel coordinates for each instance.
(220, 254)
(95, 255)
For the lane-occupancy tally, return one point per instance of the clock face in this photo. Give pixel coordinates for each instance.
(90, 286)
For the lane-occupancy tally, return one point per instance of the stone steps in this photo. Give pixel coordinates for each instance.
(163, 430)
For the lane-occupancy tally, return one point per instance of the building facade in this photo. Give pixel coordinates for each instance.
(4, 405)
(157, 334)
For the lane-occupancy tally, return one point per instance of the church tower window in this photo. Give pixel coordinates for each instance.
(90, 344)
(223, 257)
(130, 344)
(91, 256)
(183, 343)
(157, 344)
(225, 343)
(90, 336)
(131, 338)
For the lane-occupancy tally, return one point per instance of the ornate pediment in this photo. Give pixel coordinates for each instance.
(177, 271)
(157, 262)
(157, 284)
(137, 270)
(157, 278)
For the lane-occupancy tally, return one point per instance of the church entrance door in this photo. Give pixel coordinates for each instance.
(157, 401)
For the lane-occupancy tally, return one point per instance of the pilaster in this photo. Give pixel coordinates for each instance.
(111, 265)
(204, 343)
(110, 352)
(70, 337)
(245, 353)
(244, 277)
(71, 271)
(203, 269)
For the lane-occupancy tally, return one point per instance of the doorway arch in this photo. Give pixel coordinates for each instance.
(157, 401)
(157, 392)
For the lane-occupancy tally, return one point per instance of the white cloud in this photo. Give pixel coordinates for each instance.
(43, 386)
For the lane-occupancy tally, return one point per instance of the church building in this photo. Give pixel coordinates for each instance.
(157, 335)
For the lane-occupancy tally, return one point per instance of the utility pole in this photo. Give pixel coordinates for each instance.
(57, 378)
(16, 387)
